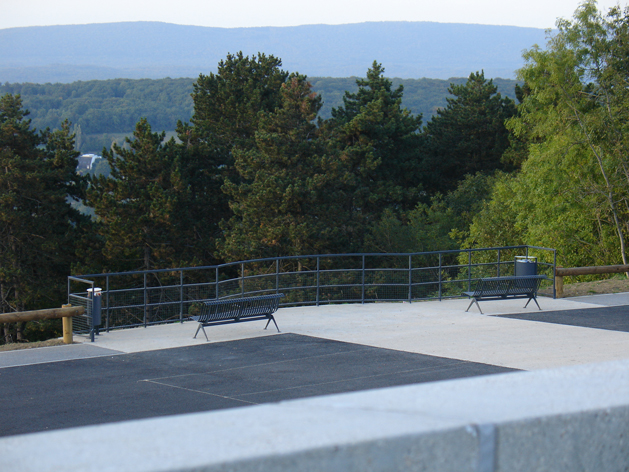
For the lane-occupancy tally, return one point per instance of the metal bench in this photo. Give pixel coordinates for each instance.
(234, 310)
(501, 288)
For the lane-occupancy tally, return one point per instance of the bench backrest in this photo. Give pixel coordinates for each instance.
(499, 286)
(236, 308)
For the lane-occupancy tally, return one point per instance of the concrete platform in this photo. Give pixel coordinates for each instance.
(434, 328)
(540, 420)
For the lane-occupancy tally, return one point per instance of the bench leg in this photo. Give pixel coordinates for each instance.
(471, 303)
(267, 323)
(198, 328)
(535, 300)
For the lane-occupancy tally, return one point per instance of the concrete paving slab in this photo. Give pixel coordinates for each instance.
(52, 354)
(433, 328)
(212, 376)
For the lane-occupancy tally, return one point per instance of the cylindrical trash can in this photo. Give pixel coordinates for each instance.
(95, 295)
(525, 265)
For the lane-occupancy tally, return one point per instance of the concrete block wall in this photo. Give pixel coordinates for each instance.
(566, 419)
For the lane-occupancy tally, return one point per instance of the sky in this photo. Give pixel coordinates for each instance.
(248, 13)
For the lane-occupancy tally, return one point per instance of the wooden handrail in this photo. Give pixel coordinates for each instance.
(612, 269)
(47, 314)
(561, 272)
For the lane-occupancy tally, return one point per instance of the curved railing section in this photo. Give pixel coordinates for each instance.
(142, 298)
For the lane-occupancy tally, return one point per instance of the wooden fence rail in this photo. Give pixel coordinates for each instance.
(561, 272)
(66, 312)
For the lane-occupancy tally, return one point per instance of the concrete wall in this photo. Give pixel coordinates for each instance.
(567, 419)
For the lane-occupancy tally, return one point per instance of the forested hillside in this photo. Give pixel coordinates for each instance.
(103, 111)
(67, 53)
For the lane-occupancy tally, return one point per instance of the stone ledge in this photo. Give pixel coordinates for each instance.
(571, 418)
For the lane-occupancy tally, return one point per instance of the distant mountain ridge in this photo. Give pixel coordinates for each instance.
(41, 54)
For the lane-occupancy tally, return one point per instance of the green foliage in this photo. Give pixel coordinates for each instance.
(443, 224)
(281, 203)
(572, 192)
(375, 143)
(106, 111)
(140, 206)
(106, 106)
(422, 96)
(38, 227)
(468, 136)
(227, 108)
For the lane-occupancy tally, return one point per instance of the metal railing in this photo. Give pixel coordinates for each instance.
(78, 296)
(143, 298)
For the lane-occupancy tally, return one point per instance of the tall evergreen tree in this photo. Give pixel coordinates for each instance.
(37, 224)
(467, 136)
(139, 207)
(280, 205)
(377, 145)
(227, 106)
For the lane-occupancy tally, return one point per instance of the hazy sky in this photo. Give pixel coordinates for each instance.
(243, 13)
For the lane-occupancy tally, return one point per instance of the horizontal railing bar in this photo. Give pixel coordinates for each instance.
(342, 271)
(77, 279)
(315, 256)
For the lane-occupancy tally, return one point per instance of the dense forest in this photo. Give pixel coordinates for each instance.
(106, 111)
(258, 172)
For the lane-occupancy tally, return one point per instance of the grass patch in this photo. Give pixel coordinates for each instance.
(17, 346)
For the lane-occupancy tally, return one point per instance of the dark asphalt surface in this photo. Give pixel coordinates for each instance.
(615, 318)
(206, 377)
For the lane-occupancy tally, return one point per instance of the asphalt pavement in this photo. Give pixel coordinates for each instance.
(162, 370)
(212, 376)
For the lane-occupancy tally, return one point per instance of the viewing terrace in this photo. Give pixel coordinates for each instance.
(380, 386)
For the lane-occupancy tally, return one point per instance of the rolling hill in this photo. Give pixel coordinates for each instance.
(156, 50)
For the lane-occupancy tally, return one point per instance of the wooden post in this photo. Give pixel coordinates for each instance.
(67, 327)
(559, 285)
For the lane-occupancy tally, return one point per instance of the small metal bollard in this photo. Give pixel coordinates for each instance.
(95, 295)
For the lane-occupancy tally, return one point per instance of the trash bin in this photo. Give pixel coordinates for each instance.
(95, 295)
(525, 265)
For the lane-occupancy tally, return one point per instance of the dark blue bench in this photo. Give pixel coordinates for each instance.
(501, 288)
(234, 310)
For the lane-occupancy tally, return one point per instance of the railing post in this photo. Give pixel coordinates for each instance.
(277, 275)
(145, 301)
(469, 270)
(242, 279)
(181, 296)
(410, 278)
(217, 283)
(107, 302)
(555, 280)
(363, 282)
(440, 292)
(318, 278)
(498, 263)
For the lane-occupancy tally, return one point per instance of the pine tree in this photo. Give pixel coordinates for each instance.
(377, 144)
(468, 136)
(280, 204)
(227, 106)
(38, 227)
(139, 207)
